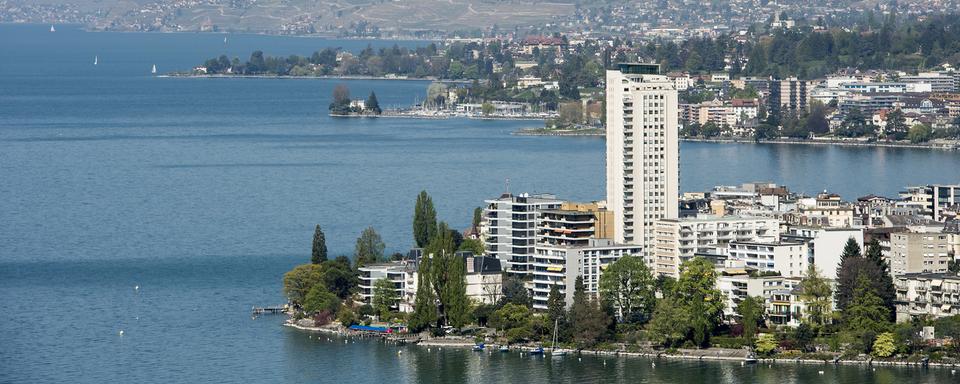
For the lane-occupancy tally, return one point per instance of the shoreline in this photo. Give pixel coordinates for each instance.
(846, 143)
(710, 354)
(318, 77)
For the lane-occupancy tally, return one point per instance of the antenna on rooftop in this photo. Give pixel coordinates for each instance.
(508, 185)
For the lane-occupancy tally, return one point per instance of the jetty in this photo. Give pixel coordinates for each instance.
(270, 310)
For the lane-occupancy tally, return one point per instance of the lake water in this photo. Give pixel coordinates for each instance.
(204, 191)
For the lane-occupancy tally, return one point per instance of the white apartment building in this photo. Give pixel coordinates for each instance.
(789, 259)
(561, 265)
(511, 228)
(679, 240)
(736, 285)
(825, 245)
(643, 158)
(403, 275)
(927, 294)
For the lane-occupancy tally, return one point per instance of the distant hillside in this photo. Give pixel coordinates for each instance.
(309, 16)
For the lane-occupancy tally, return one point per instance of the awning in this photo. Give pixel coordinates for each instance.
(555, 269)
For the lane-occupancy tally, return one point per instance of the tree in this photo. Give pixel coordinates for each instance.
(447, 275)
(319, 300)
(514, 292)
(474, 246)
(884, 345)
(487, 108)
(341, 100)
(556, 305)
(384, 297)
(369, 248)
(477, 216)
(896, 127)
(852, 266)
(514, 321)
(765, 345)
(865, 311)
(669, 325)
(628, 284)
(696, 291)
(298, 282)
(319, 254)
(816, 294)
(339, 279)
(846, 273)
(920, 133)
(750, 311)
(372, 104)
(425, 303)
(424, 220)
(590, 322)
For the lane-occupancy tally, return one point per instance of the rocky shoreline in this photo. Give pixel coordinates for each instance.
(709, 354)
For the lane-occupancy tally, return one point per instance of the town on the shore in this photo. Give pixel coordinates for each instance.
(880, 83)
(751, 271)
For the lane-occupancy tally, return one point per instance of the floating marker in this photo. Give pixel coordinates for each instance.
(121, 332)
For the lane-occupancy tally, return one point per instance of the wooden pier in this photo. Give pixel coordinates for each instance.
(269, 310)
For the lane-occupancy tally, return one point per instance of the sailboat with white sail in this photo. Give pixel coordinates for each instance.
(154, 70)
(553, 350)
(52, 29)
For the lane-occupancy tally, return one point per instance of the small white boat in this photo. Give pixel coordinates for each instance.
(96, 60)
(52, 29)
(154, 70)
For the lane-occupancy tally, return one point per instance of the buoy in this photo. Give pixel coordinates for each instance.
(579, 359)
(428, 349)
(121, 332)
(136, 287)
(820, 372)
(604, 363)
(653, 364)
(399, 352)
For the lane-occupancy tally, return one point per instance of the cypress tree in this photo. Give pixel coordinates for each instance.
(319, 254)
(424, 220)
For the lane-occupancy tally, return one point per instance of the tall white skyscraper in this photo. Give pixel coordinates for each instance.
(643, 175)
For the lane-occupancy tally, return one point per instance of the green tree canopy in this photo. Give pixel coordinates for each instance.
(372, 105)
(866, 311)
(817, 295)
(590, 322)
(319, 254)
(424, 220)
(319, 300)
(298, 281)
(384, 297)
(369, 248)
(750, 312)
(696, 291)
(884, 345)
(628, 284)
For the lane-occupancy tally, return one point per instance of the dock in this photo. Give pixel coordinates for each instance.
(269, 310)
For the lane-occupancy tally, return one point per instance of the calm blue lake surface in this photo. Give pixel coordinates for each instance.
(204, 191)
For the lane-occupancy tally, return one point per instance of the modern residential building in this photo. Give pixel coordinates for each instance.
(511, 228)
(643, 176)
(403, 275)
(738, 283)
(789, 95)
(927, 294)
(934, 199)
(678, 240)
(789, 259)
(561, 264)
(825, 245)
(919, 252)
